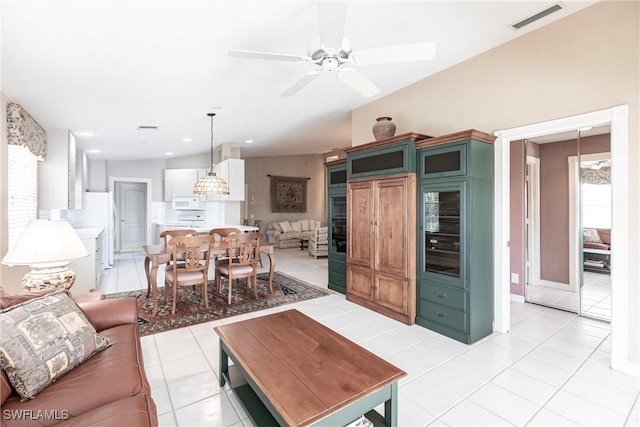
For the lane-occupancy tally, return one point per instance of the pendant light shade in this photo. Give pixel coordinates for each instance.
(211, 184)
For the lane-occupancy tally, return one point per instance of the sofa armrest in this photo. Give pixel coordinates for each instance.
(108, 313)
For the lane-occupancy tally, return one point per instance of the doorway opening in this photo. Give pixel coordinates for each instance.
(618, 118)
(567, 198)
(131, 205)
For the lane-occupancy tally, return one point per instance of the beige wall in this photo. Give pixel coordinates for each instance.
(517, 214)
(259, 186)
(588, 61)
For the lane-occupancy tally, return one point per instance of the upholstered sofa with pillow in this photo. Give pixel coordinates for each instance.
(597, 238)
(287, 234)
(108, 389)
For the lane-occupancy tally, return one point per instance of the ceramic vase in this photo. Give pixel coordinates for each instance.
(384, 128)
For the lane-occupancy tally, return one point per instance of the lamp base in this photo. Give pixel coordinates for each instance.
(50, 277)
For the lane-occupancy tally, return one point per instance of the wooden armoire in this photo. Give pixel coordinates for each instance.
(381, 226)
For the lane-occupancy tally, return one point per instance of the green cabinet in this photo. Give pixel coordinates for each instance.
(384, 157)
(337, 225)
(455, 235)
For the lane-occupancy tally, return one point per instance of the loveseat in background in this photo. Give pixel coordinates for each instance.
(287, 234)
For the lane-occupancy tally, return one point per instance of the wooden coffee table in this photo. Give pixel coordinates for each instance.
(291, 370)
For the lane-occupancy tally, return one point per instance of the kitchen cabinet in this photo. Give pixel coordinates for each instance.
(381, 245)
(455, 235)
(180, 181)
(232, 171)
(337, 225)
(60, 183)
(89, 269)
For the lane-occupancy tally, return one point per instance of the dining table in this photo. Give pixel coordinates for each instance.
(156, 255)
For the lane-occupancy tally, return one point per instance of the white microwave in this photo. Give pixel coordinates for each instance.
(185, 203)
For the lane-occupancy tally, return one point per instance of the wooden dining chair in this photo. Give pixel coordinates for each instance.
(219, 233)
(167, 235)
(241, 261)
(194, 252)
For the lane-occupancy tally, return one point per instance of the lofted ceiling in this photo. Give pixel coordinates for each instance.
(107, 67)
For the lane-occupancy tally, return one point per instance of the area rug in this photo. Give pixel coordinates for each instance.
(190, 309)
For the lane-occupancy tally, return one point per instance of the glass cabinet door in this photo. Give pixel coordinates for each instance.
(338, 206)
(442, 232)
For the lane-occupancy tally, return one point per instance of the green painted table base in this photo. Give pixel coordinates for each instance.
(263, 414)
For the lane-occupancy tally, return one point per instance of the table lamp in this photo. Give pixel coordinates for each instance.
(47, 246)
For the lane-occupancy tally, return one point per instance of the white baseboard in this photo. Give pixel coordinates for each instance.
(631, 368)
(517, 298)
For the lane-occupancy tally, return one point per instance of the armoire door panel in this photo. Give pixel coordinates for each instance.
(391, 292)
(360, 282)
(390, 221)
(360, 225)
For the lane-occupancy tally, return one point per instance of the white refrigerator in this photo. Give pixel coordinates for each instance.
(99, 212)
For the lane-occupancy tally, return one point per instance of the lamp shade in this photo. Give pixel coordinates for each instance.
(211, 184)
(46, 241)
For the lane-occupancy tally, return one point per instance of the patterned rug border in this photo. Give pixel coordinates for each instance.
(302, 291)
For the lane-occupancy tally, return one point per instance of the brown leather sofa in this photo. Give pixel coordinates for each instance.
(109, 389)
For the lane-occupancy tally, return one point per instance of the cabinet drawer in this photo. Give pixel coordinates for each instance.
(449, 317)
(446, 296)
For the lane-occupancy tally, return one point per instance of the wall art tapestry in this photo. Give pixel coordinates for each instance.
(23, 130)
(288, 194)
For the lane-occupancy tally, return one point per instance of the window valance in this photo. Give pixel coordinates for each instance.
(597, 176)
(23, 130)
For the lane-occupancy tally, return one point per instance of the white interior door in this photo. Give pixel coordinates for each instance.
(131, 205)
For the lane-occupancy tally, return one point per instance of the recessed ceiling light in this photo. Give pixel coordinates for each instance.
(249, 141)
(93, 151)
(143, 142)
(84, 133)
(168, 153)
(187, 140)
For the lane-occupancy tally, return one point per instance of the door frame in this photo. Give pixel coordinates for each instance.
(148, 182)
(532, 264)
(618, 118)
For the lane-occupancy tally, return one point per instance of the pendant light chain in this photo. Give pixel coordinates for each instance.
(211, 164)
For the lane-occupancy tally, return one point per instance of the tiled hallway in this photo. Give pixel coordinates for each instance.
(551, 369)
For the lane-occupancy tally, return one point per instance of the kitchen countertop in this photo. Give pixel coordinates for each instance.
(89, 232)
(206, 228)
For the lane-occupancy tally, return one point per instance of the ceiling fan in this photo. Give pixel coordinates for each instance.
(334, 53)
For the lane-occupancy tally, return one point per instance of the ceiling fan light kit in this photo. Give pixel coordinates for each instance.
(335, 52)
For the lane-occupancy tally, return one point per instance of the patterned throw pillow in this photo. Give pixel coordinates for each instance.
(286, 227)
(297, 226)
(43, 339)
(591, 235)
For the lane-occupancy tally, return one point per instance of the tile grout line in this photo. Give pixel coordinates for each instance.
(469, 394)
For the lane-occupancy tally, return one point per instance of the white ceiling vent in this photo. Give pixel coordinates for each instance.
(533, 18)
(147, 127)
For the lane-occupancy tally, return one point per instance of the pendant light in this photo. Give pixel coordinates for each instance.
(211, 184)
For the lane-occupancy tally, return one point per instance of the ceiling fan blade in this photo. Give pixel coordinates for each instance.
(305, 80)
(266, 55)
(401, 53)
(358, 82)
(331, 18)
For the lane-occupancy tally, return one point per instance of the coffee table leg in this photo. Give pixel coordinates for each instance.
(391, 407)
(224, 365)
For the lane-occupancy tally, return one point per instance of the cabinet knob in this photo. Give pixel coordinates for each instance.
(441, 314)
(441, 294)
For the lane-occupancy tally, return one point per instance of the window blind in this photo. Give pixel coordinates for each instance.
(22, 190)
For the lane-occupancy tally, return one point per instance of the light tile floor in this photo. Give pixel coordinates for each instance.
(596, 296)
(551, 369)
